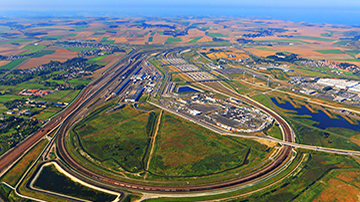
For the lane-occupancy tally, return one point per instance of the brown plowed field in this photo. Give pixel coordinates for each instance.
(60, 55)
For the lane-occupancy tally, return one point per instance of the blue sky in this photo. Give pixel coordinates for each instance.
(107, 4)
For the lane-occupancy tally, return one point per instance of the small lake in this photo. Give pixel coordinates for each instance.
(187, 89)
(324, 120)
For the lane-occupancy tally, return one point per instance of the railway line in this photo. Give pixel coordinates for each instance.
(267, 170)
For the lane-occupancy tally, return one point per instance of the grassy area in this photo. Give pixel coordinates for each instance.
(52, 37)
(195, 39)
(79, 49)
(352, 52)
(9, 97)
(61, 96)
(265, 49)
(346, 60)
(98, 58)
(183, 148)
(326, 34)
(216, 35)
(99, 33)
(72, 34)
(315, 166)
(47, 113)
(16, 41)
(80, 27)
(313, 38)
(52, 180)
(173, 40)
(279, 74)
(44, 52)
(105, 40)
(286, 40)
(274, 131)
(330, 51)
(32, 49)
(13, 64)
(119, 140)
(341, 42)
(15, 173)
(337, 185)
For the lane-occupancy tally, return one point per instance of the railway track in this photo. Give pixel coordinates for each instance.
(277, 163)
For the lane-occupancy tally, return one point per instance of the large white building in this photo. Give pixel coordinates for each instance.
(338, 83)
(355, 89)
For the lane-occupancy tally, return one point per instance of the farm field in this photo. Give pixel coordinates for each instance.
(12, 64)
(123, 137)
(185, 149)
(60, 55)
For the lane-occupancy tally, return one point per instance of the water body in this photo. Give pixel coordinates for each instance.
(187, 89)
(324, 121)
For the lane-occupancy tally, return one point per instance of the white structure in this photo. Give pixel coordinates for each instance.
(338, 83)
(355, 89)
(194, 112)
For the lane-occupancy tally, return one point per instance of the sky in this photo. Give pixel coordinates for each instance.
(318, 11)
(100, 4)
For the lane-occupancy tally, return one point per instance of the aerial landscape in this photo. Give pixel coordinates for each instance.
(117, 103)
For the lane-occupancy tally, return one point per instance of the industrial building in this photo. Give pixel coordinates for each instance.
(338, 83)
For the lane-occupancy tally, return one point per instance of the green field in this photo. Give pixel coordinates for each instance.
(326, 34)
(119, 140)
(173, 40)
(285, 40)
(98, 58)
(61, 96)
(52, 180)
(32, 49)
(183, 148)
(346, 60)
(341, 43)
(105, 40)
(195, 39)
(314, 167)
(216, 35)
(99, 33)
(313, 38)
(265, 49)
(72, 35)
(80, 27)
(13, 64)
(19, 41)
(52, 37)
(330, 51)
(352, 52)
(80, 81)
(44, 52)
(79, 49)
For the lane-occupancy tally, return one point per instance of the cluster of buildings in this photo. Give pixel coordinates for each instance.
(332, 64)
(35, 92)
(343, 84)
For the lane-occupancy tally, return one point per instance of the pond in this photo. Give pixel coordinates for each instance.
(187, 89)
(324, 121)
